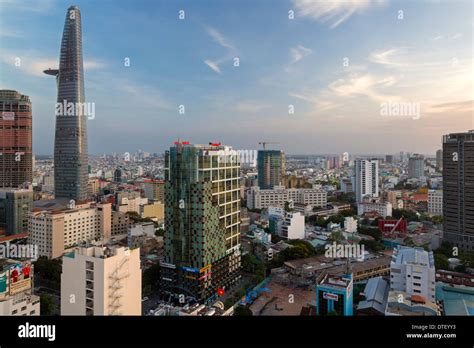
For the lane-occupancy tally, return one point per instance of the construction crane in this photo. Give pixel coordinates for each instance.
(264, 143)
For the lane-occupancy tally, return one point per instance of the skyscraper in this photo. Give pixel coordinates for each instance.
(16, 158)
(366, 179)
(271, 168)
(439, 160)
(458, 189)
(202, 221)
(70, 143)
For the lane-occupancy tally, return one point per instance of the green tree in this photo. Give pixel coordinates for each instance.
(47, 304)
(242, 311)
(441, 261)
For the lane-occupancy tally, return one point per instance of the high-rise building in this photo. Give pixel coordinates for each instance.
(389, 158)
(70, 144)
(101, 281)
(271, 167)
(412, 270)
(16, 158)
(416, 166)
(154, 190)
(458, 189)
(202, 220)
(366, 179)
(435, 202)
(16, 285)
(439, 160)
(15, 205)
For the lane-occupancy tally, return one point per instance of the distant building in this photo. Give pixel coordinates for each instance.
(366, 179)
(16, 155)
(154, 210)
(15, 205)
(346, 186)
(439, 160)
(435, 202)
(412, 271)
(102, 281)
(258, 198)
(375, 297)
(350, 224)
(401, 303)
(384, 209)
(416, 166)
(56, 230)
(16, 289)
(271, 168)
(389, 158)
(293, 226)
(154, 190)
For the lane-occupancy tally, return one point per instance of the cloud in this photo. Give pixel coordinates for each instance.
(333, 12)
(250, 106)
(298, 53)
(386, 57)
(363, 85)
(219, 38)
(224, 42)
(213, 65)
(460, 106)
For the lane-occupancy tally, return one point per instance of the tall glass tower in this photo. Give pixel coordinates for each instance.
(70, 143)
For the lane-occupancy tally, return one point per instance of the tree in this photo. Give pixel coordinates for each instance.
(229, 302)
(242, 311)
(441, 261)
(337, 237)
(160, 232)
(47, 304)
(49, 270)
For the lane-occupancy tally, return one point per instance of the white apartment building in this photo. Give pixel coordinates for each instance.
(412, 270)
(101, 281)
(293, 226)
(435, 202)
(384, 209)
(16, 281)
(350, 224)
(366, 179)
(54, 231)
(278, 196)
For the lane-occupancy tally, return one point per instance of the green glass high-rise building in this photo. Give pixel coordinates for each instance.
(202, 221)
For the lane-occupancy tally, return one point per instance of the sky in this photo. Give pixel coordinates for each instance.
(315, 77)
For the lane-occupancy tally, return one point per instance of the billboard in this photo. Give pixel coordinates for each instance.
(20, 277)
(3, 285)
(329, 296)
(8, 116)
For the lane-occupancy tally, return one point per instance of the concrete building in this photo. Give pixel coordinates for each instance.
(416, 166)
(154, 190)
(277, 197)
(412, 271)
(350, 224)
(101, 281)
(334, 294)
(54, 231)
(435, 202)
(458, 190)
(120, 223)
(16, 155)
(15, 205)
(154, 210)
(401, 303)
(128, 201)
(293, 226)
(93, 187)
(384, 209)
(439, 160)
(271, 168)
(16, 289)
(366, 179)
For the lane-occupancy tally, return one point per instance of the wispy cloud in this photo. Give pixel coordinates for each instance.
(251, 106)
(333, 12)
(220, 39)
(298, 53)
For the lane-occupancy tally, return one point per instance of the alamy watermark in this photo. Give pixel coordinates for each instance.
(19, 251)
(244, 156)
(336, 250)
(75, 109)
(401, 109)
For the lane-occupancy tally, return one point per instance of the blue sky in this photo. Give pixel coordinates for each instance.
(336, 62)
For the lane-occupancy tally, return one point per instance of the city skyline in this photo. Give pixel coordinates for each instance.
(283, 62)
